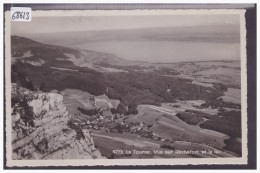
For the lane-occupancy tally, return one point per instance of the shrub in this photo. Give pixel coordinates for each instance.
(20, 105)
(89, 112)
(167, 146)
(78, 130)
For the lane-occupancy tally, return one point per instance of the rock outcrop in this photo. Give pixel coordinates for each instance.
(41, 128)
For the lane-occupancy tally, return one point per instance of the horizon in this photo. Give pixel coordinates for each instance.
(171, 38)
(139, 60)
(95, 23)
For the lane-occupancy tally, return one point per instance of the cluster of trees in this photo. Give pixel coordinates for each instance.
(130, 68)
(19, 76)
(122, 109)
(190, 118)
(227, 123)
(233, 145)
(193, 118)
(89, 112)
(132, 109)
(149, 88)
(19, 103)
(45, 78)
(216, 103)
(167, 71)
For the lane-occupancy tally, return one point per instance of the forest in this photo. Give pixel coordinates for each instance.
(130, 88)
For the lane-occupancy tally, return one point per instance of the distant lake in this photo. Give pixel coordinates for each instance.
(166, 51)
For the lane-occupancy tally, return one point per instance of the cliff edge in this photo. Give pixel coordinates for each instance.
(41, 128)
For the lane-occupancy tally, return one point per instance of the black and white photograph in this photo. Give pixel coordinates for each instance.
(129, 87)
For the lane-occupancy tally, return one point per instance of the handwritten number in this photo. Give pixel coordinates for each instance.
(13, 16)
(21, 15)
(27, 15)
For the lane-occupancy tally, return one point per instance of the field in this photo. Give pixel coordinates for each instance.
(181, 106)
(232, 95)
(75, 98)
(145, 114)
(167, 124)
(205, 73)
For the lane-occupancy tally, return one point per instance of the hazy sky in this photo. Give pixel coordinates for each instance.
(186, 38)
(93, 23)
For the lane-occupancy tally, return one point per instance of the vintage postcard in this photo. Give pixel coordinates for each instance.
(125, 87)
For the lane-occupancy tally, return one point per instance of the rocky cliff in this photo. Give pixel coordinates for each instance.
(41, 128)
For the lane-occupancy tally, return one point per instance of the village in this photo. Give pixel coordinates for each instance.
(105, 121)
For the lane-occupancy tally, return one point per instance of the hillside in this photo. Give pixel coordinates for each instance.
(161, 102)
(27, 50)
(58, 72)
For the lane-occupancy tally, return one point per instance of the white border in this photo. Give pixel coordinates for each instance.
(113, 162)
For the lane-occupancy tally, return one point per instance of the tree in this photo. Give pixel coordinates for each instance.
(121, 109)
(114, 111)
(132, 109)
(43, 87)
(29, 85)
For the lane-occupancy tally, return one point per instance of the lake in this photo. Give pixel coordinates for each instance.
(166, 51)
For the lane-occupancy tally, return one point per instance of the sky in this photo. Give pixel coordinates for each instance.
(96, 23)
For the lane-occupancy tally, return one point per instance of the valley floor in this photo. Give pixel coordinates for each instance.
(149, 130)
